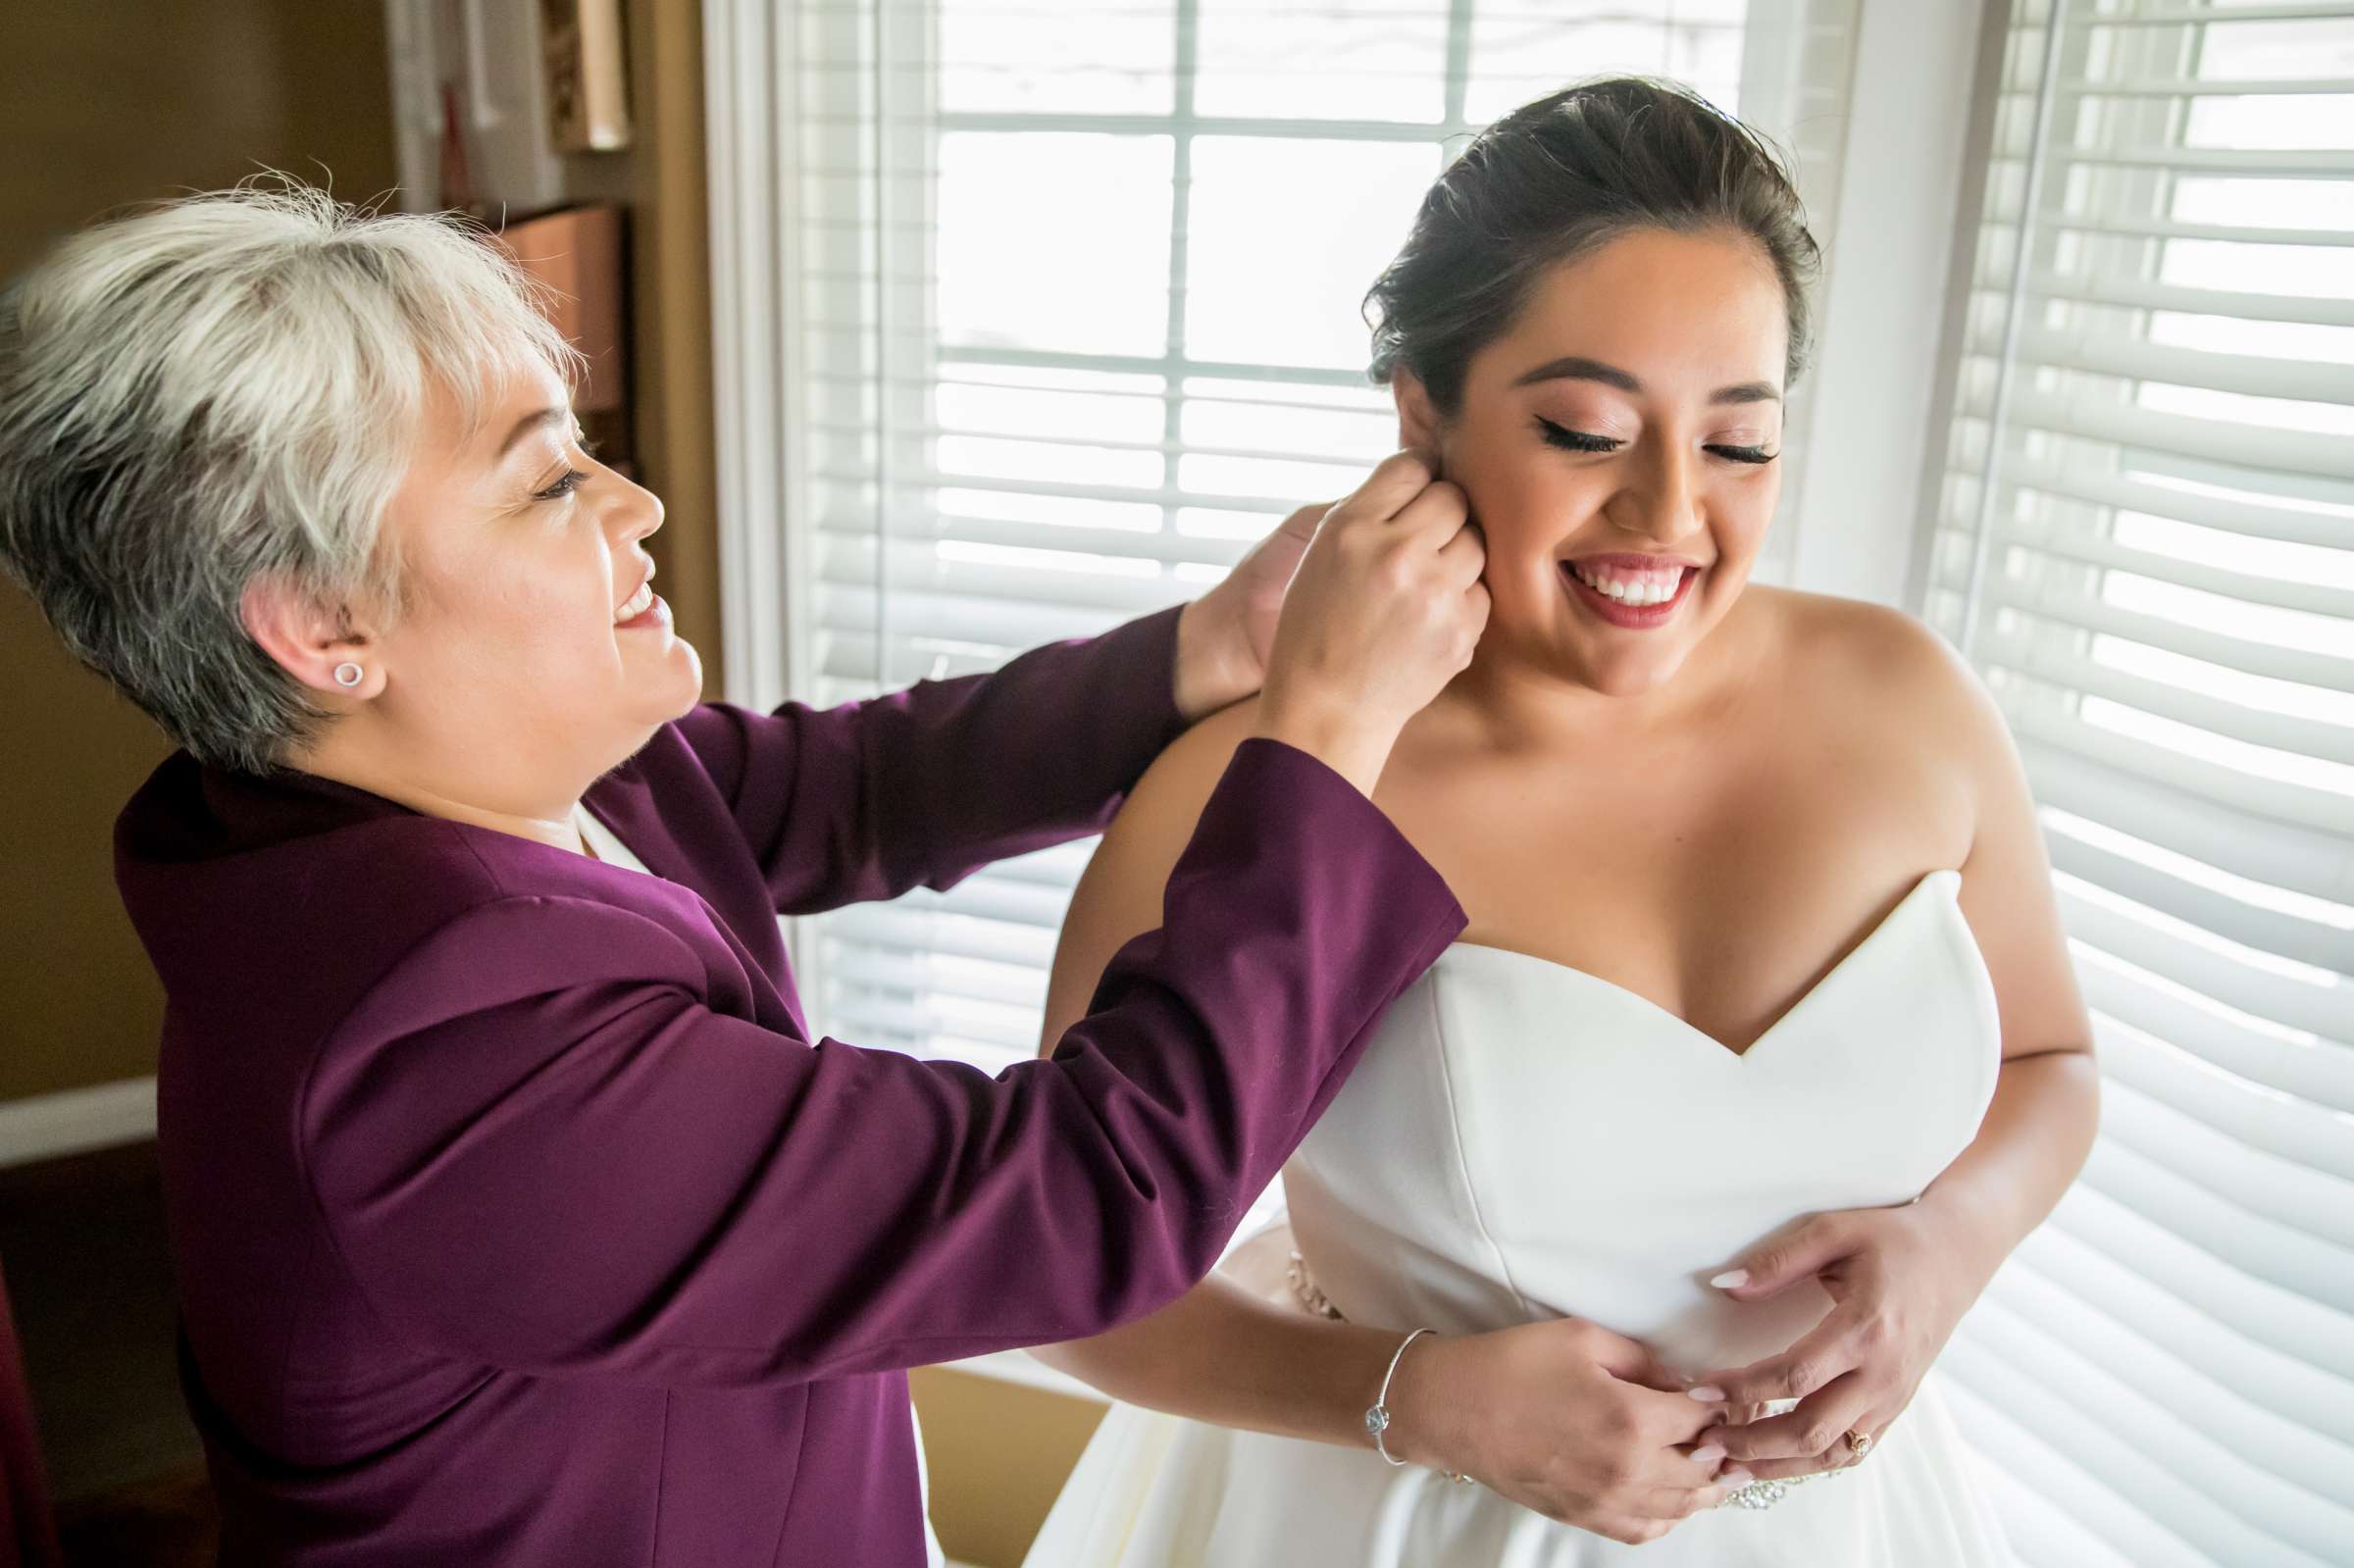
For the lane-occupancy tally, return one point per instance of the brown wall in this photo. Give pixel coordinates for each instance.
(660, 179)
(104, 102)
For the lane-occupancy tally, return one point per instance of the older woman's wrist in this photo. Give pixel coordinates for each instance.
(1216, 667)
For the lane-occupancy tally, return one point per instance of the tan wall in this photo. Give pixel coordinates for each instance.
(660, 179)
(998, 1453)
(104, 102)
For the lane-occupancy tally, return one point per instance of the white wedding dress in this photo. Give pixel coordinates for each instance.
(1523, 1140)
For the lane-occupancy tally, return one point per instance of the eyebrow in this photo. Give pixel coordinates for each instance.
(524, 427)
(1578, 368)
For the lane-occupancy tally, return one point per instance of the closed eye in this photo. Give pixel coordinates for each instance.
(1570, 440)
(1574, 440)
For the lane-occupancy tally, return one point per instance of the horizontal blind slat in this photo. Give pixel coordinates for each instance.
(2318, 864)
(2073, 1520)
(2317, 1332)
(2285, 1127)
(2320, 1073)
(2314, 1202)
(2201, 1411)
(2138, 1503)
(2215, 1356)
(2198, 1488)
(2041, 1531)
(2128, 493)
(907, 930)
(2226, 441)
(2075, 542)
(2104, 288)
(2313, 1004)
(2072, 672)
(2316, 810)
(2090, 350)
(2263, 1248)
(2272, 931)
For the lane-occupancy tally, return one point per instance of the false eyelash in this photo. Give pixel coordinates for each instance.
(1579, 441)
(1574, 440)
(564, 486)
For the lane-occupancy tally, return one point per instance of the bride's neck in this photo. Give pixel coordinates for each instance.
(1520, 701)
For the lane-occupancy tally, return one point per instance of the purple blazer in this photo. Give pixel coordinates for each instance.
(518, 1220)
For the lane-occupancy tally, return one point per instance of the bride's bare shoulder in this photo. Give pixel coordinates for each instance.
(1179, 781)
(1855, 661)
(1158, 819)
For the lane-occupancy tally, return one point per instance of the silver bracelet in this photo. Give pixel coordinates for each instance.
(1377, 1419)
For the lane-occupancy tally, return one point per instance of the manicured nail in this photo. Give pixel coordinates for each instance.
(1735, 1478)
(1709, 1454)
(1730, 1278)
(1706, 1394)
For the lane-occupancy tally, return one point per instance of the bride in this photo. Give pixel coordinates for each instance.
(1762, 1050)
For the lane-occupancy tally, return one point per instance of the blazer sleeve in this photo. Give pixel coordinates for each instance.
(583, 1169)
(921, 787)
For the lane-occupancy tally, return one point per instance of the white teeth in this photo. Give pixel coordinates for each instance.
(638, 603)
(1634, 588)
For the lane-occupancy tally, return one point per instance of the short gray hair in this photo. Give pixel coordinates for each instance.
(228, 387)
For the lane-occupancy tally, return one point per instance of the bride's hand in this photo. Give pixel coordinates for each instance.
(1564, 1417)
(1898, 1290)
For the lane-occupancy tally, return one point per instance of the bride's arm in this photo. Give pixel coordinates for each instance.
(1563, 1417)
(1904, 1276)
(1221, 1353)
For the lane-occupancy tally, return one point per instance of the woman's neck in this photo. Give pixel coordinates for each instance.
(346, 755)
(1521, 702)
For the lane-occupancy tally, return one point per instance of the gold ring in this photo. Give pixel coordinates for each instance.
(1859, 1444)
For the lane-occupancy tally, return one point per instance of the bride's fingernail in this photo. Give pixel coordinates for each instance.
(1730, 1278)
(1735, 1478)
(1706, 1394)
(1709, 1454)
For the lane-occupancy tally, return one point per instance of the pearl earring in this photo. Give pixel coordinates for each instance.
(348, 674)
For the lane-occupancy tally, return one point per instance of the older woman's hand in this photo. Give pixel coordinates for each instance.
(1900, 1283)
(1224, 637)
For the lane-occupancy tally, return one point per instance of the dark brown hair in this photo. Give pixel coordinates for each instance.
(1558, 177)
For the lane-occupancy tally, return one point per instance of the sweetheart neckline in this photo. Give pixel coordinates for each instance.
(1694, 1030)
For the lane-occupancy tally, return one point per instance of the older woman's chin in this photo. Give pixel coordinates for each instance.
(679, 680)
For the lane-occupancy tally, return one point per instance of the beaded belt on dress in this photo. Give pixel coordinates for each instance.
(1756, 1495)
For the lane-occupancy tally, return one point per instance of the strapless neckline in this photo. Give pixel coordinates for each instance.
(1945, 880)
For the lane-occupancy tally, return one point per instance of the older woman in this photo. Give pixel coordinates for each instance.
(516, 1217)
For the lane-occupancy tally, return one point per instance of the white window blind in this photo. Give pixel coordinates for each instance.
(1071, 316)
(2143, 534)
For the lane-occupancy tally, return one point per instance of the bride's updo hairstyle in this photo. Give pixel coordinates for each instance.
(1556, 179)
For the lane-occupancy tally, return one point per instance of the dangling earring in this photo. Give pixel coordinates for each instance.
(348, 674)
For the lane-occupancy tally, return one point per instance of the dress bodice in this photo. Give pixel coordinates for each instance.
(1526, 1140)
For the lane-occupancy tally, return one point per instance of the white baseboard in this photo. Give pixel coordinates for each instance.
(74, 1120)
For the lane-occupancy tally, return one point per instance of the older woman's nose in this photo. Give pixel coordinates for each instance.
(640, 514)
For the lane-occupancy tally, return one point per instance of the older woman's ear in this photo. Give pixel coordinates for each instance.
(315, 644)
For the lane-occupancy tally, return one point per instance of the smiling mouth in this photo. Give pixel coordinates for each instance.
(636, 604)
(1629, 593)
